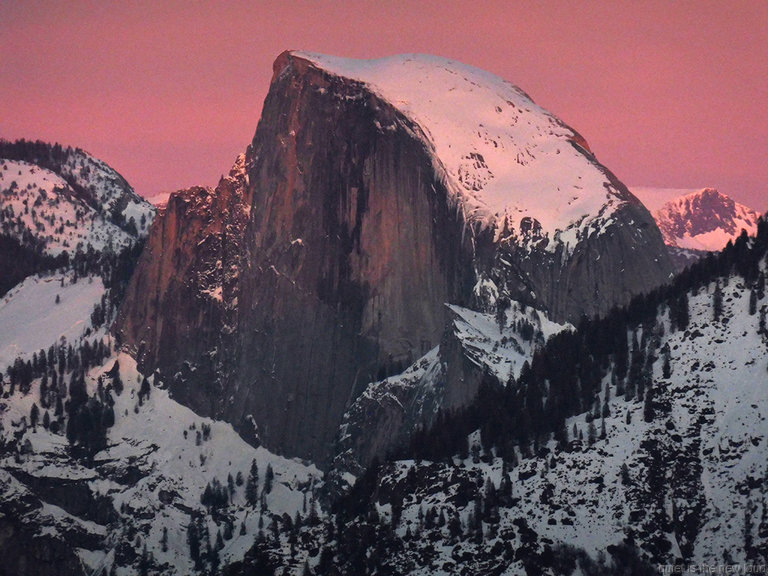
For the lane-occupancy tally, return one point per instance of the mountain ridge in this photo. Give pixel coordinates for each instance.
(704, 220)
(61, 204)
(383, 360)
(90, 179)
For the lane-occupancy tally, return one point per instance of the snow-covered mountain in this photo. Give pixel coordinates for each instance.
(353, 356)
(702, 221)
(101, 470)
(373, 193)
(94, 190)
(58, 205)
(40, 208)
(506, 160)
(161, 474)
(579, 450)
(631, 446)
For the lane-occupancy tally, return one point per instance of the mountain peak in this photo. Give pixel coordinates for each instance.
(503, 157)
(704, 220)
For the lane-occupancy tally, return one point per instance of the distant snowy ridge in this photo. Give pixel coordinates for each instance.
(704, 220)
(159, 200)
(68, 197)
(504, 157)
(37, 204)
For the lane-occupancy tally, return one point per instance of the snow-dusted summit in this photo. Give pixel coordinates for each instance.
(704, 220)
(501, 154)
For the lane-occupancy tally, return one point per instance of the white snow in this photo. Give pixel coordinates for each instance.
(714, 240)
(709, 218)
(503, 350)
(31, 320)
(501, 154)
(158, 437)
(37, 201)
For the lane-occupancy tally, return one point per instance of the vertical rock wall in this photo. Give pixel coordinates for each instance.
(324, 261)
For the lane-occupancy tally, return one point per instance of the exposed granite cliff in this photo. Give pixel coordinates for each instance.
(347, 258)
(605, 269)
(327, 256)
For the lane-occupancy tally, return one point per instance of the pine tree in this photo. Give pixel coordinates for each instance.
(606, 400)
(268, 478)
(717, 302)
(34, 415)
(219, 540)
(144, 390)
(144, 561)
(591, 433)
(666, 369)
(44, 391)
(313, 516)
(502, 304)
(625, 474)
(117, 382)
(252, 485)
(648, 411)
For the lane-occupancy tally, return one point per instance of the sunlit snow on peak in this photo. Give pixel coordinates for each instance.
(501, 153)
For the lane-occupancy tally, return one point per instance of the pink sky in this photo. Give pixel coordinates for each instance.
(668, 94)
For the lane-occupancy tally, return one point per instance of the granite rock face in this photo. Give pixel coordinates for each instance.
(341, 270)
(325, 260)
(604, 270)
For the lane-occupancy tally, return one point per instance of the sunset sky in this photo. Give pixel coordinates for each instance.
(668, 94)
